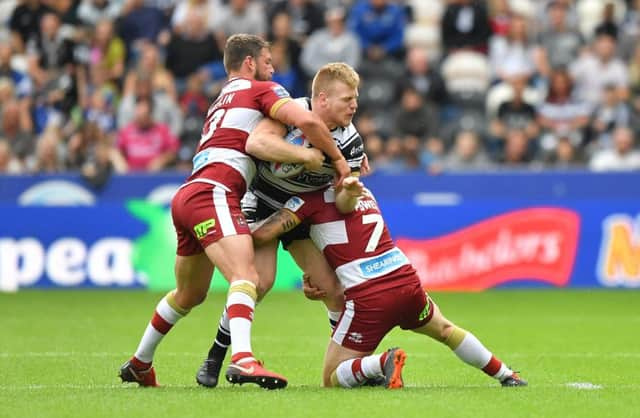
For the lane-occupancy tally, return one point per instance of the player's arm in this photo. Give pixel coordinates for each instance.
(265, 142)
(348, 196)
(275, 225)
(291, 113)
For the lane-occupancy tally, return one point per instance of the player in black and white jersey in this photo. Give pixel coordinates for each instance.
(334, 100)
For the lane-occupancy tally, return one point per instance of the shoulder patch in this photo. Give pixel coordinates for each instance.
(280, 91)
(294, 203)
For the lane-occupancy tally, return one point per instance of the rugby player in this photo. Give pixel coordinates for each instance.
(211, 229)
(382, 289)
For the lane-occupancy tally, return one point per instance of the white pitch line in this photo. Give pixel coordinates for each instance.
(569, 385)
(8, 354)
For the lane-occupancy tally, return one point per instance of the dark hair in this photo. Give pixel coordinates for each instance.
(240, 46)
(553, 95)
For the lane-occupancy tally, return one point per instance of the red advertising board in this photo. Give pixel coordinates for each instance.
(532, 244)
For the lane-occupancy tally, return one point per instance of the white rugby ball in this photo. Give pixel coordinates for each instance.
(285, 170)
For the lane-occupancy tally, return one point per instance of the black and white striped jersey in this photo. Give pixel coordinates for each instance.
(274, 191)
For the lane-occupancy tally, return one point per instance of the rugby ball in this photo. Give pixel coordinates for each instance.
(285, 170)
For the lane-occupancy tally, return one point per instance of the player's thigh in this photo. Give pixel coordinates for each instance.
(193, 277)
(438, 326)
(335, 355)
(265, 262)
(233, 255)
(311, 260)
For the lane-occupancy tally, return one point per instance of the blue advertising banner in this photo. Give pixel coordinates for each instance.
(462, 231)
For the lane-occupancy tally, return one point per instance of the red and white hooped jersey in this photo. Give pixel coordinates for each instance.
(357, 245)
(221, 155)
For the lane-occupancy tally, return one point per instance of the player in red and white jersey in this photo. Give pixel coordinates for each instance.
(210, 227)
(382, 289)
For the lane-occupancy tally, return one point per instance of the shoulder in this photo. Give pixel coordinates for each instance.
(270, 87)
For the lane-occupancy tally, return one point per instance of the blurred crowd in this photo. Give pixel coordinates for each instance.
(104, 86)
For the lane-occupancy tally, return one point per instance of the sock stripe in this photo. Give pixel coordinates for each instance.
(160, 324)
(171, 300)
(493, 367)
(238, 310)
(455, 338)
(244, 286)
(356, 370)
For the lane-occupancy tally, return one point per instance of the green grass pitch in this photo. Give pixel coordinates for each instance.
(580, 350)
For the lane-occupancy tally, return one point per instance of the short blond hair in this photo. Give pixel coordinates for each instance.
(334, 71)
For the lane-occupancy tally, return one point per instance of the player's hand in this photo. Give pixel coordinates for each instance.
(353, 186)
(313, 159)
(310, 291)
(365, 168)
(342, 170)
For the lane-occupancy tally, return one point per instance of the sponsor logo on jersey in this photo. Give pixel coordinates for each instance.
(426, 311)
(619, 261)
(356, 150)
(537, 244)
(375, 267)
(203, 228)
(294, 203)
(280, 91)
(355, 337)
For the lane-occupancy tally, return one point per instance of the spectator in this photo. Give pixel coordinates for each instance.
(500, 17)
(90, 12)
(566, 155)
(194, 104)
(517, 151)
(559, 44)
(21, 82)
(150, 66)
(105, 161)
(140, 23)
(306, 16)
(512, 54)
(49, 156)
(9, 164)
(331, 44)
(25, 20)
(145, 144)
(561, 115)
(165, 109)
(209, 10)
(287, 50)
(432, 155)
(380, 25)
(50, 53)
(414, 117)
(241, 16)
(467, 154)
(621, 157)
(422, 77)
(16, 129)
(465, 25)
(191, 48)
(108, 51)
(101, 109)
(598, 68)
(285, 73)
(611, 113)
(514, 114)
(608, 24)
